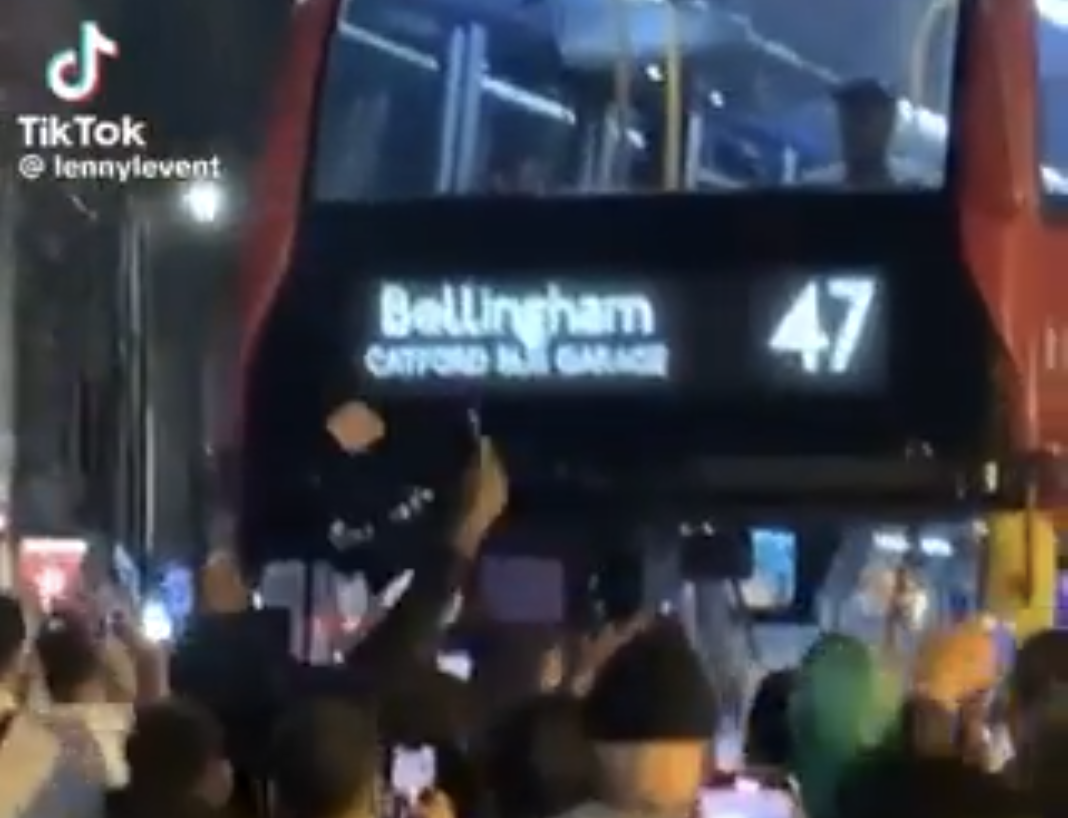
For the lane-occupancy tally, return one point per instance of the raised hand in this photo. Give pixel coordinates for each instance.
(596, 651)
(433, 804)
(222, 585)
(483, 498)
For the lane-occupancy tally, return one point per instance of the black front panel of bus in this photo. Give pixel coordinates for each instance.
(751, 325)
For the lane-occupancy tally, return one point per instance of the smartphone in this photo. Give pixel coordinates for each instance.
(744, 797)
(414, 770)
(456, 664)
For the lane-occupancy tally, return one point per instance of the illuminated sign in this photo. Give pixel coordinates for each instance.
(822, 345)
(479, 332)
(736, 333)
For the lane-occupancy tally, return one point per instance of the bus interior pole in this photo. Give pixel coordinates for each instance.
(9, 217)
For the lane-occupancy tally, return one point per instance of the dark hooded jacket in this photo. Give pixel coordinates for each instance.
(247, 681)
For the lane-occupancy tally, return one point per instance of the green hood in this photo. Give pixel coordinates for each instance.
(846, 701)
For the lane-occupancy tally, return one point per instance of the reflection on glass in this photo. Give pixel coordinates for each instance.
(1053, 92)
(774, 581)
(594, 96)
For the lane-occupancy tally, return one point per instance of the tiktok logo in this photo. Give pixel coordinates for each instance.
(74, 74)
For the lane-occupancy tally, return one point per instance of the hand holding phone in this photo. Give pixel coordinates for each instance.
(434, 804)
(414, 770)
(483, 497)
(741, 796)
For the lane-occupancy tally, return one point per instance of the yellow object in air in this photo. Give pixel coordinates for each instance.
(1021, 570)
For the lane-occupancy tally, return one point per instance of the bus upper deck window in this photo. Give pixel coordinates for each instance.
(622, 97)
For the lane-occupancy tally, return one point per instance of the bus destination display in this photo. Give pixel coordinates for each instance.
(784, 331)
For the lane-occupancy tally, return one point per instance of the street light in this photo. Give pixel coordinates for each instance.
(204, 202)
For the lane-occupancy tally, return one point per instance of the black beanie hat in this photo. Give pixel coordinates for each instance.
(653, 689)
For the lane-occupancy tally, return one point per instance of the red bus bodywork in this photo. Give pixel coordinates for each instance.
(1009, 242)
(278, 187)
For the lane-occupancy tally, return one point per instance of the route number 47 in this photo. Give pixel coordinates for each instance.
(824, 323)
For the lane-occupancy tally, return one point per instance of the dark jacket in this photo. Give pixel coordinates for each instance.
(125, 803)
(245, 674)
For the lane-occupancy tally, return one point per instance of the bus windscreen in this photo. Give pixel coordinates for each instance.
(466, 97)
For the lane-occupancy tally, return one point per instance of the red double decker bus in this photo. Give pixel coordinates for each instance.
(744, 238)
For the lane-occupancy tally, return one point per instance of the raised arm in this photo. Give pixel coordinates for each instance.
(414, 622)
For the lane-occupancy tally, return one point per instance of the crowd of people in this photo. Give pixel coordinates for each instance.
(95, 722)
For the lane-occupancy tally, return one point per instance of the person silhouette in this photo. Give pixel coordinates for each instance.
(867, 117)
